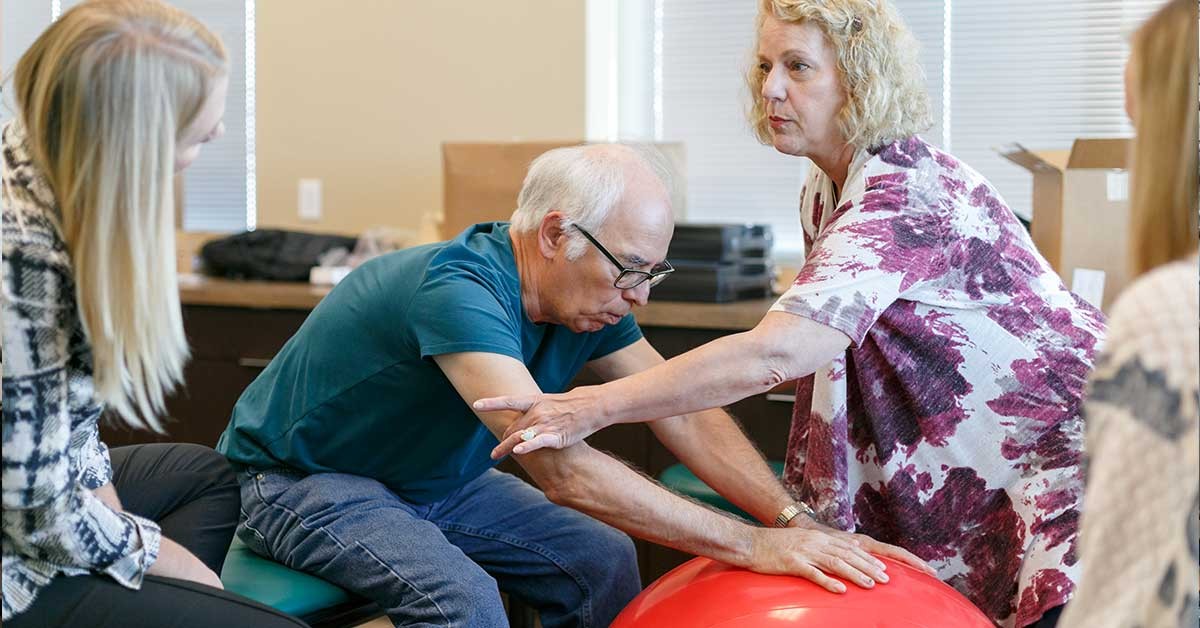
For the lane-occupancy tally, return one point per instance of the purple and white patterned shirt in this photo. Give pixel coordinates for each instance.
(951, 425)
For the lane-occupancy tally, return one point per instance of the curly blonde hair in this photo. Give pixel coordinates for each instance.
(876, 54)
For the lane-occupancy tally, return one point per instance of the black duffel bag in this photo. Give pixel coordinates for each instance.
(271, 254)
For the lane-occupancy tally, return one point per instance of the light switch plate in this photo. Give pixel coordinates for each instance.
(309, 199)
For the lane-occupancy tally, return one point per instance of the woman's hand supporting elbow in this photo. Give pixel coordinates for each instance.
(782, 347)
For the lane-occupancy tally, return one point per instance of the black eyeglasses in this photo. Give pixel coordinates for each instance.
(630, 277)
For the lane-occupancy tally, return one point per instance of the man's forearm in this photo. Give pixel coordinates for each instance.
(713, 447)
(598, 485)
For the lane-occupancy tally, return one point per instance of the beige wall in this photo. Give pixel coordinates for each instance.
(362, 93)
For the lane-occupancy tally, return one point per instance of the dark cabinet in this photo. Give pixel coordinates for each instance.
(230, 346)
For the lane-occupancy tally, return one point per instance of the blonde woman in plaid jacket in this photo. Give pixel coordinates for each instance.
(113, 100)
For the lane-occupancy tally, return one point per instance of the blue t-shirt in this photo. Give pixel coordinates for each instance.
(356, 389)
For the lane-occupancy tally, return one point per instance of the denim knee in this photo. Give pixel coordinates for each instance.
(473, 599)
(609, 566)
(616, 555)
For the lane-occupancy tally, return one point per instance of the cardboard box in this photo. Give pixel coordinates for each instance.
(1081, 209)
(482, 179)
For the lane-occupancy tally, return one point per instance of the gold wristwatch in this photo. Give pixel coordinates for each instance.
(790, 512)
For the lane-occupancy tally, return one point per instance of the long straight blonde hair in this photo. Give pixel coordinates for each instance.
(1164, 181)
(104, 94)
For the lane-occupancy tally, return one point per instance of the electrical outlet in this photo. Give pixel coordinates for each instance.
(309, 199)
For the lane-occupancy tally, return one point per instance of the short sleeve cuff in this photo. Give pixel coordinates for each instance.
(853, 319)
(444, 348)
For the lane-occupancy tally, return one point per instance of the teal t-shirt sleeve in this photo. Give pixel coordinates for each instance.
(461, 307)
(617, 337)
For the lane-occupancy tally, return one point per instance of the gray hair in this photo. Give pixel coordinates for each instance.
(583, 182)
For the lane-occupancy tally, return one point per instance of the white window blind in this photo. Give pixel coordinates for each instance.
(927, 21)
(219, 190)
(1039, 73)
(21, 21)
(707, 46)
(1035, 72)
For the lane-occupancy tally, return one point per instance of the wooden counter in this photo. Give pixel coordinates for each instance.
(201, 290)
(266, 295)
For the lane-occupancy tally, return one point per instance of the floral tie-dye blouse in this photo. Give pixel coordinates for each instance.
(951, 424)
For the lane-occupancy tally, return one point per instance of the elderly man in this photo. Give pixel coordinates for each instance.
(364, 464)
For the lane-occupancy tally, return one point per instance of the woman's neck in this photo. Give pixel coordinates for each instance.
(836, 165)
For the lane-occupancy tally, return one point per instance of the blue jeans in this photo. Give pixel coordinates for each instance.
(445, 563)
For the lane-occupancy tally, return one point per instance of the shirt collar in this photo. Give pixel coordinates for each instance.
(20, 172)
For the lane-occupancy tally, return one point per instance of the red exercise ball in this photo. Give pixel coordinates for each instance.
(702, 593)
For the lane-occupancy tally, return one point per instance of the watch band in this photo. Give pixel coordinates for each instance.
(791, 511)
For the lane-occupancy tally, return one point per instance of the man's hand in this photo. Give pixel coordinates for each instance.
(894, 552)
(869, 544)
(814, 555)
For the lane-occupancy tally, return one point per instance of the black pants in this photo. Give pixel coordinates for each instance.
(1049, 618)
(193, 494)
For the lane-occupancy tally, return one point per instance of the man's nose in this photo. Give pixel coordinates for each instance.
(637, 295)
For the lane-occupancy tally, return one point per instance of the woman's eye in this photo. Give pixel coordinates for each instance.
(764, 67)
(799, 67)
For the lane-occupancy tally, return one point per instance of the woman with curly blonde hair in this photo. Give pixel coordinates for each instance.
(113, 100)
(940, 359)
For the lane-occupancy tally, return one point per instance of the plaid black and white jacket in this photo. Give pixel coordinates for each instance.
(53, 457)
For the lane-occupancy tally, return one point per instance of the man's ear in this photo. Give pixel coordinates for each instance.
(552, 236)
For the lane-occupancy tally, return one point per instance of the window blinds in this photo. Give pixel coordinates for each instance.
(219, 193)
(1035, 72)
